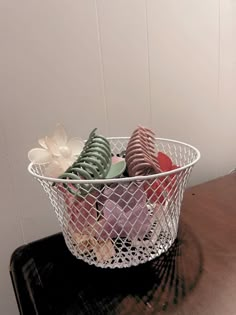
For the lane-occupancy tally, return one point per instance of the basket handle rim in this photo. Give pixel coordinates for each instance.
(123, 179)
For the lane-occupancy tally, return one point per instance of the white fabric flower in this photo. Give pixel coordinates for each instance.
(57, 152)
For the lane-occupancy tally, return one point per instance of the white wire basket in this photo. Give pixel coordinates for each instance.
(125, 221)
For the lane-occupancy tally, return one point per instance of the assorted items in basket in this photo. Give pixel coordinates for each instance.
(117, 199)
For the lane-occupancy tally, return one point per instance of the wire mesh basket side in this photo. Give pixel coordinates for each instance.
(125, 222)
(120, 225)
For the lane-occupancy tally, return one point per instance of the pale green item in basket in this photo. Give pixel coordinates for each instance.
(116, 169)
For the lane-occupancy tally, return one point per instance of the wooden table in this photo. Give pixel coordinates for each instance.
(196, 277)
(209, 216)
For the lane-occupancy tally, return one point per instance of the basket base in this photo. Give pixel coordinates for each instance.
(132, 254)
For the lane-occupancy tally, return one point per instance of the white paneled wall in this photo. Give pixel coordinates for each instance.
(10, 227)
(183, 46)
(166, 64)
(123, 38)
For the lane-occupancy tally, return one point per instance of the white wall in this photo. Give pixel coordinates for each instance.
(170, 65)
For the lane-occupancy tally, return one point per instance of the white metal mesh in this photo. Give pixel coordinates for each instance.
(125, 222)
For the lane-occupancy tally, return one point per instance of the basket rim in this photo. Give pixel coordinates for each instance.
(122, 179)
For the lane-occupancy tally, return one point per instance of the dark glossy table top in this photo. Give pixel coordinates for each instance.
(197, 276)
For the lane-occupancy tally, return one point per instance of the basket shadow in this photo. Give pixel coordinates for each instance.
(158, 285)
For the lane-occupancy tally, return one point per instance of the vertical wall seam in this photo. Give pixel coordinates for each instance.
(149, 70)
(102, 67)
(219, 53)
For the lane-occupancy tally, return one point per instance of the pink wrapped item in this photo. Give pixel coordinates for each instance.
(81, 211)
